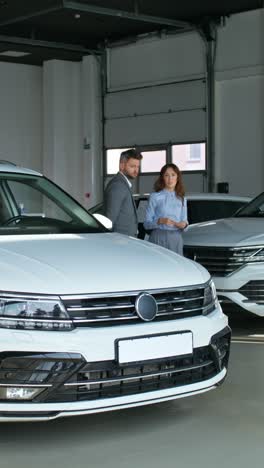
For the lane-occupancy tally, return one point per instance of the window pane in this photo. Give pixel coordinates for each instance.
(153, 160)
(112, 160)
(190, 157)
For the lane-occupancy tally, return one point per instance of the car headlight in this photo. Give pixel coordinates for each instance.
(33, 313)
(210, 298)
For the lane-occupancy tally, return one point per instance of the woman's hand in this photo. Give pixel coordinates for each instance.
(181, 224)
(167, 221)
(170, 222)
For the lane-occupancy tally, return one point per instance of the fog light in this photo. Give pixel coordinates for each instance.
(19, 393)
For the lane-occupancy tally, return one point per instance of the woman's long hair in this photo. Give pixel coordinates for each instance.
(160, 183)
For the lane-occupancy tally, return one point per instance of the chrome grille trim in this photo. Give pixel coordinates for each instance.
(108, 319)
(132, 317)
(105, 307)
(253, 291)
(128, 306)
(129, 293)
(136, 376)
(119, 308)
(224, 261)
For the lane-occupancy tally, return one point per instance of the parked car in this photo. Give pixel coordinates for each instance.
(232, 250)
(91, 320)
(201, 207)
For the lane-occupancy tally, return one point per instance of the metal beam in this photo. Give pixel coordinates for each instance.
(33, 14)
(46, 44)
(88, 8)
(209, 35)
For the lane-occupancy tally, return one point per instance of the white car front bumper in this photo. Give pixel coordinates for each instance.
(244, 287)
(64, 360)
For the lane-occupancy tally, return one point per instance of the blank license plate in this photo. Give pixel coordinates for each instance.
(155, 347)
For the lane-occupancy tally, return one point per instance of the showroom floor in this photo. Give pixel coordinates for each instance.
(224, 427)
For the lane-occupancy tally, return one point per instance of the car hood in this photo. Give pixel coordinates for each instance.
(90, 263)
(226, 232)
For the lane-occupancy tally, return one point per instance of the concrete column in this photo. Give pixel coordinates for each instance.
(92, 131)
(62, 145)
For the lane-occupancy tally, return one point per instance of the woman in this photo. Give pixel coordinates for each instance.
(166, 214)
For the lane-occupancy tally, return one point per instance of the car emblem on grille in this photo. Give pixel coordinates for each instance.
(146, 307)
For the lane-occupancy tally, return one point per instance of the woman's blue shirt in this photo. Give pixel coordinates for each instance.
(165, 204)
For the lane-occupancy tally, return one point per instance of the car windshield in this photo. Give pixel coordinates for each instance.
(32, 204)
(254, 209)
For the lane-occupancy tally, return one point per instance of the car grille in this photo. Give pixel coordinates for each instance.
(67, 377)
(119, 309)
(253, 291)
(108, 380)
(223, 261)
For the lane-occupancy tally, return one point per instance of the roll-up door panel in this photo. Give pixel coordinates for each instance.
(156, 99)
(185, 126)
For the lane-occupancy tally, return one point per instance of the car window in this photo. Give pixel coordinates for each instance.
(97, 209)
(33, 204)
(206, 210)
(253, 209)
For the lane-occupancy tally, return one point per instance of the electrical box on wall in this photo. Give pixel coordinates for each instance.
(223, 187)
(86, 143)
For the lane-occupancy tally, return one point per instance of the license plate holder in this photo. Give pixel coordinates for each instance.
(154, 347)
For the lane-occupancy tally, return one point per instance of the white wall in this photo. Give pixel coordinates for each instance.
(240, 134)
(46, 113)
(240, 103)
(240, 46)
(21, 114)
(72, 127)
(62, 158)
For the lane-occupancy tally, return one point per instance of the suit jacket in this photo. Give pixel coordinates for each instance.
(120, 206)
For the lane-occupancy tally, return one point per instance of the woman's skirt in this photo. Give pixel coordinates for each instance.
(171, 240)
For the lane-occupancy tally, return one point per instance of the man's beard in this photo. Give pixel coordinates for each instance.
(129, 176)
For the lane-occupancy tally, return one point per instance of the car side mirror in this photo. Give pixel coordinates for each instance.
(106, 222)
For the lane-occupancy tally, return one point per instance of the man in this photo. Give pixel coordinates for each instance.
(119, 203)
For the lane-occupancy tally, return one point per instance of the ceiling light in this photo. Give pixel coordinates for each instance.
(77, 16)
(14, 53)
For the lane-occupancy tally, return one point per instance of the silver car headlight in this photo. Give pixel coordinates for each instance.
(33, 313)
(210, 298)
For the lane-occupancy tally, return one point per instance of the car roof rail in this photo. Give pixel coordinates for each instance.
(10, 163)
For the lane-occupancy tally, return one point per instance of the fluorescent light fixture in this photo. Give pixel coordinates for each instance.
(14, 53)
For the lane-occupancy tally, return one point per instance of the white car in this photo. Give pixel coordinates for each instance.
(92, 321)
(232, 250)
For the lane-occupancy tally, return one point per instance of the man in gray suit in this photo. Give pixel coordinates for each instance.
(119, 203)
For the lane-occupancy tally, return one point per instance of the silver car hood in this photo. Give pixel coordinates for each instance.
(229, 232)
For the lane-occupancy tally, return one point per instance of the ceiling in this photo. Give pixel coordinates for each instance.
(67, 30)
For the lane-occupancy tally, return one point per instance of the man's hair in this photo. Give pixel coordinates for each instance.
(130, 154)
